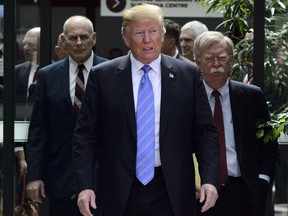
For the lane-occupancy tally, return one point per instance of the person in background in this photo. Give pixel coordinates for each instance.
(60, 87)
(189, 32)
(1, 94)
(171, 40)
(25, 77)
(142, 133)
(59, 49)
(248, 163)
(114, 53)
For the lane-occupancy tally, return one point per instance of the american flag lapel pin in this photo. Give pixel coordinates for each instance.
(171, 75)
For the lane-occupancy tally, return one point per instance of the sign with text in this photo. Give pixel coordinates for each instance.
(180, 8)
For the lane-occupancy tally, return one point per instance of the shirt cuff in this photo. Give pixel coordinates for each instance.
(265, 177)
(17, 149)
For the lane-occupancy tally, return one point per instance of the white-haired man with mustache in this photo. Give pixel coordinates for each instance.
(248, 163)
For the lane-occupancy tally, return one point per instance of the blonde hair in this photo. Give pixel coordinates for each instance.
(139, 12)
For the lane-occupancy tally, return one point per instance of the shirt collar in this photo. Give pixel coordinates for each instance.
(224, 90)
(137, 65)
(88, 63)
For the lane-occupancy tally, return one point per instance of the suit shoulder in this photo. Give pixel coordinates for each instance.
(99, 59)
(22, 65)
(248, 89)
(54, 66)
(180, 65)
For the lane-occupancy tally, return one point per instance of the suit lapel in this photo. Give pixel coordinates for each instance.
(65, 83)
(124, 84)
(168, 82)
(238, 107)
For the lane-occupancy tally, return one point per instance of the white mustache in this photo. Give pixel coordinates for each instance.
(217, 70)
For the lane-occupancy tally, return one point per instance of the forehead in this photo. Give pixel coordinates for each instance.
(30, 38)
(78, 27)
(145, 22)
(187, 34)
(216, 47)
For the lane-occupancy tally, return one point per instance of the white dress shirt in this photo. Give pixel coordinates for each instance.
(73, 70)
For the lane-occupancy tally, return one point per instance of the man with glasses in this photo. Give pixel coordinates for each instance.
(247, 163)
(59, 90)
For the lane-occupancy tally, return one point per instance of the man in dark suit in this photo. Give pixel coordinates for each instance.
(25, 80)
(49, 147)
(171, 40)
(250, 163)
(113, 126)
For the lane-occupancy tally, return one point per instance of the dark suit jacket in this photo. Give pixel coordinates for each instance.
(106, 133)
(23, 105)
(255, 157)
(49, 147)
(1, 93)
(181, 57)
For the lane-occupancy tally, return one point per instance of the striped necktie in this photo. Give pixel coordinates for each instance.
(79, 88)
(145, 129)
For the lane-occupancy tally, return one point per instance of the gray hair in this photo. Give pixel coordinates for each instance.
(207, 39)
(195, 26)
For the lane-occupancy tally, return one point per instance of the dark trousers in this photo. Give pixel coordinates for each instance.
(149, 200)
(234, 200)
(61, 207)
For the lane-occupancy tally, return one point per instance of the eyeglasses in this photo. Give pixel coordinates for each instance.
(220, 59)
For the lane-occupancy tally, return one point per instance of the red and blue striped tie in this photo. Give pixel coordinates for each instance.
(79, 88)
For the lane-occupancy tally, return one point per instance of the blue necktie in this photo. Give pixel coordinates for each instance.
(145, 129)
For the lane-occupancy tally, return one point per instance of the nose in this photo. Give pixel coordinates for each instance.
(215, 61)
(146, 36)
(79, 40)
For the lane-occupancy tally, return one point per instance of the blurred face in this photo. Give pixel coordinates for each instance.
(215, 64)
(30, 42)
(79, 41)
(187, 43)
(144, 38)
(60, 50)
(168, 46)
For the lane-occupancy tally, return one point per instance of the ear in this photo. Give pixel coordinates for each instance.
(172, 42)
(198, 62)
(126, 40)
(94, 38)
(56, 50)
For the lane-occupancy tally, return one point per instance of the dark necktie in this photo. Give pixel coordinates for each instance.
(218, 119)
(36, 74)
(145, 129)
(79, 88)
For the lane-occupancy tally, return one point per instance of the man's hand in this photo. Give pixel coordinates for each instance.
(22, 166)
(198, 190)
(86, 198)
(209, 194)
(35, 190)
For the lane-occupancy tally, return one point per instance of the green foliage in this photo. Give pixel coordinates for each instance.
(238, 18)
